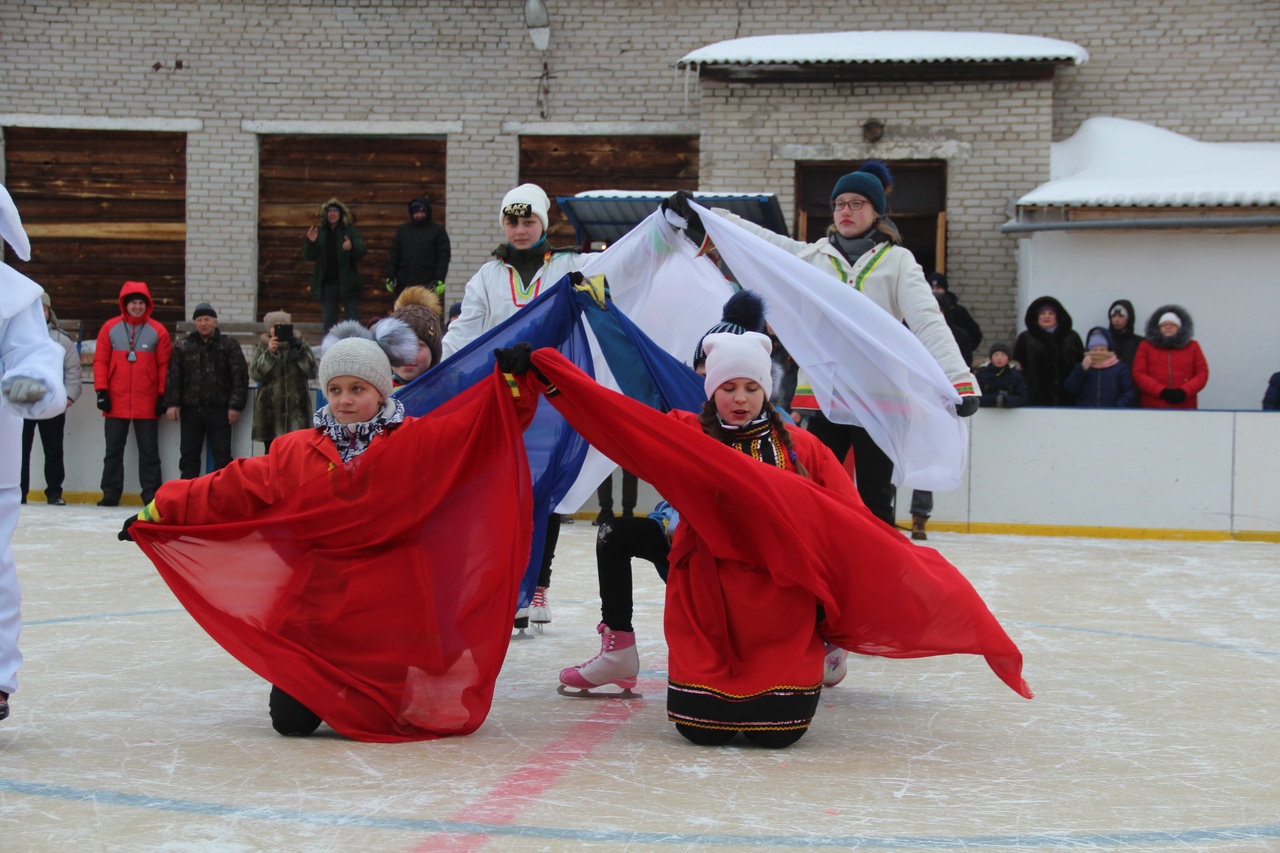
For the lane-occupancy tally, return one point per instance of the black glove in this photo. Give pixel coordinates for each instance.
(1000, 399)
(517, 361)
(678, 203)
(124, 535)
(160, 406)
(514, 360)
(294, 350)
(968, 405)
(104, 401)
(1173, 396)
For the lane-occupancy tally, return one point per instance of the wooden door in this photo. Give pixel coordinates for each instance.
(101, 207)
(375, 177)
(566, 165)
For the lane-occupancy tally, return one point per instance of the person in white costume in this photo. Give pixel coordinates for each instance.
(522, 268)
(30, 387)
(863, 250)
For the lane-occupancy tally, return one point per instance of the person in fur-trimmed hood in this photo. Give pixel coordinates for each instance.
(1170, 369)
(1048, 351)
(335, 244)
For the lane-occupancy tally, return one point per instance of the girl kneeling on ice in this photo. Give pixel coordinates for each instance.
(774, 556)
(356, 567)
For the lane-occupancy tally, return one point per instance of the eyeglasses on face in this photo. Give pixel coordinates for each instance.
(855, 205)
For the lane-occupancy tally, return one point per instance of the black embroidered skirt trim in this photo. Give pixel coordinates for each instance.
(783, 708)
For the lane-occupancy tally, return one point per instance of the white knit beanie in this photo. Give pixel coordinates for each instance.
(526, 200)
(352, 350)
(1169, 317)
(744, 356)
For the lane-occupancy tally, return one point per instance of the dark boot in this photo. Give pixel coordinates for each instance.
(917, 527)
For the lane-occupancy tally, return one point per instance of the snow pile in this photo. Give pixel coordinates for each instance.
(886, 46)
(1113, 162)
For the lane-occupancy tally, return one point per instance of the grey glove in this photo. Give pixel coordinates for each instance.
(25, 390)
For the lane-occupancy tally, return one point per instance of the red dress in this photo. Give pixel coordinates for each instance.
(758, 551)
(379, 593)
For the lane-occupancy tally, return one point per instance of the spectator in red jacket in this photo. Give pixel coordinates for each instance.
(1169, 369)
(129, 369)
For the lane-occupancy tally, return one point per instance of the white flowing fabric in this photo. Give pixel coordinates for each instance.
(657, 280)
(865, 367)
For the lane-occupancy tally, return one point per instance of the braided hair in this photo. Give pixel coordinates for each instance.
(709, 418)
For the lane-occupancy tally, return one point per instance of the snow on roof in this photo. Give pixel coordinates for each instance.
(1113, 162)
(886, 46)
(660, 194)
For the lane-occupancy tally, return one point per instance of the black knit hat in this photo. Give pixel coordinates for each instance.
(743, 312)
(999, 346)
(204, 309)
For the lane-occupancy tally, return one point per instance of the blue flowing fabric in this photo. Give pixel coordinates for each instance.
(556, 453)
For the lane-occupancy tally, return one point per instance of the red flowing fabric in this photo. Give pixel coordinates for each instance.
(882, 595)
(379, 593)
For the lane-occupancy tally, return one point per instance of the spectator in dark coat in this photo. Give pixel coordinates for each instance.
(1001, 381)
(1102, 380)
(207, 388)
(958, 317)
(1271, 399)
(1124, 339)
(336, 246)
(419, 253)
(1048, 351)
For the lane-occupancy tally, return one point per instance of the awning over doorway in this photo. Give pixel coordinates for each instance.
(603, 216)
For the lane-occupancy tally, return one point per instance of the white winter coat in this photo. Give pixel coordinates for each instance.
(496, 292)
(896, 283)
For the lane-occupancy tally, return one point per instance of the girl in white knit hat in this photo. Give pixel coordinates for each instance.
(335, 566)
(524, 266)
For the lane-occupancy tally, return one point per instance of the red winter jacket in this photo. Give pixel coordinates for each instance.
(135, 387)
(1157, 368)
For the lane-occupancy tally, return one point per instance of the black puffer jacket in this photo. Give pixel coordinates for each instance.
(208, 374)
(1047, 358)
(420, 252)
(1125, 340)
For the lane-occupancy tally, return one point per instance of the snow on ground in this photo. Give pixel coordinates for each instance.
(1156, 666)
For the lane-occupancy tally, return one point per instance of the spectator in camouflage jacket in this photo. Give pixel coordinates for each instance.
(282, 370)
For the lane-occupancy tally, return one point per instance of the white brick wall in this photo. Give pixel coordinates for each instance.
(1193, 66)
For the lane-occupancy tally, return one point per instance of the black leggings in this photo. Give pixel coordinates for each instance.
(289, 716)
(873, 470)
(619, 540)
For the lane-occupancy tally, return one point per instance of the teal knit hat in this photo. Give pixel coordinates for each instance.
(864, 184)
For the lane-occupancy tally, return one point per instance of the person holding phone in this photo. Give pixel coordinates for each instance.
(282, 364)
(1102, 380)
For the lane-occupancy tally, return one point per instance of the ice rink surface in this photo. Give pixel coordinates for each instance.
(1156, 724)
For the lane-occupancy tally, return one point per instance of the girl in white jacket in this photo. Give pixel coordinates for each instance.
(863, 249)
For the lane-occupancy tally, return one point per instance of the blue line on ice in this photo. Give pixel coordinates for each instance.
(620, 836)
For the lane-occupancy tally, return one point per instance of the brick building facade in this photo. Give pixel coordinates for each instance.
(469, 73)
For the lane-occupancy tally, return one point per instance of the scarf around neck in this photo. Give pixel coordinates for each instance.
(353, 439)
(758, 439)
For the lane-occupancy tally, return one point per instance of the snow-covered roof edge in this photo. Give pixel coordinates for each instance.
(866, 46)
(1112, 162)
